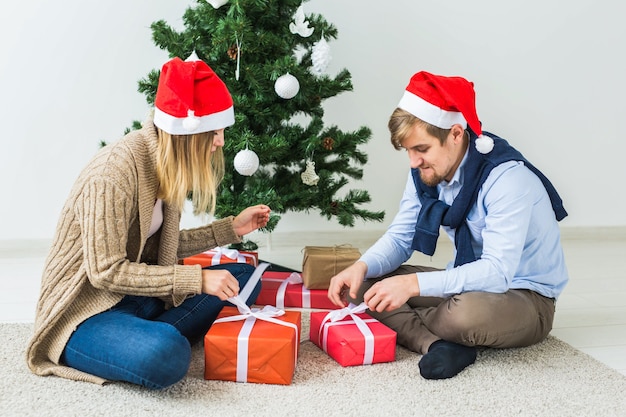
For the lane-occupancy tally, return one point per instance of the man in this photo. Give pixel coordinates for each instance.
(497, 208)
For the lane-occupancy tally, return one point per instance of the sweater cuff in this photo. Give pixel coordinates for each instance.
(187, 282)
(223, 231)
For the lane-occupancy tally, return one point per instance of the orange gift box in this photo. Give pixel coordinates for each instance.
(347, 344)
(222, 256)
(284, 289)
(267, 355)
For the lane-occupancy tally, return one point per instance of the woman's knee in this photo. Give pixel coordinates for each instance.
(166, 358)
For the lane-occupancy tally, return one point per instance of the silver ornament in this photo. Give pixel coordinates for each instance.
(309, 177)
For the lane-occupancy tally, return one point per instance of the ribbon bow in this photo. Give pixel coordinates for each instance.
(335, 317)
(229, 253)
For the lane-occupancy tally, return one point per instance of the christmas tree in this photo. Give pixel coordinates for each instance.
(272, 57)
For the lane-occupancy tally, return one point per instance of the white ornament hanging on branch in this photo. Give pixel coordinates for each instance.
(309, 177)
(246, 162)
(287, 86)
(320, 56)
(300, 25)
(217, 3)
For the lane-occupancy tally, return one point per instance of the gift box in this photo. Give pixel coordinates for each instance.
(259, 347)
(353, 338)
(321, 263)
(221, 255)
(285, 289)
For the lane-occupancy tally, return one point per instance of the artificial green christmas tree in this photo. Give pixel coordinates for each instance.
(272, 57)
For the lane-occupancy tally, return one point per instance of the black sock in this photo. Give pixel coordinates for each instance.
(446, 359)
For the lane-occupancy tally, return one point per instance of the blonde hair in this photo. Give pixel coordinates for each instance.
(186, 165)
(401, 123)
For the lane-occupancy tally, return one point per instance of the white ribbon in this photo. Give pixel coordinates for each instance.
(233, 254)
(250, 316)
(333, 318)
(294, 278)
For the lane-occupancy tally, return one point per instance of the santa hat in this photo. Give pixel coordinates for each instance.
(191, 98)
(443, 102)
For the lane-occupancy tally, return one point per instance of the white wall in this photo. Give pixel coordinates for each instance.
(549, 77)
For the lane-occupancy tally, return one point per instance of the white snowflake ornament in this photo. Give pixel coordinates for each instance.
(287, 86)
(300, 25)
(320, 56)
(309, 177)
(246, 162)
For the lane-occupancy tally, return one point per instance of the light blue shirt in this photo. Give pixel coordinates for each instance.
(514, 233)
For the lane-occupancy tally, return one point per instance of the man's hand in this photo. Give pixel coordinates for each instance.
(251, 219)
(390, 293)
(219, 282)
(350, 278)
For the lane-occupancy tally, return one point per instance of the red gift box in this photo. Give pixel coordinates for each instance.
(353, 338)
(249, 348)
(221, 255)
(285, 289)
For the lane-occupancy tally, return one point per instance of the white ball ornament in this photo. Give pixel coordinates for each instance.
(246, 162)
(217, 3)
(287, 86)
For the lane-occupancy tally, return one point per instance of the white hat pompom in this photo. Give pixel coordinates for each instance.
(191, 122)
(484, 144)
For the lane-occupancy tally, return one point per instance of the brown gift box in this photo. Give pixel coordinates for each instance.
(321, 263)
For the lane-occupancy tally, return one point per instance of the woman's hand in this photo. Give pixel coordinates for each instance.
(251, 219)
(219, 282)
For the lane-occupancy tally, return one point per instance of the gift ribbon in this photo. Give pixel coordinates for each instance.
(333, 318)
(233, 254)
(267, 313)
(294, 278)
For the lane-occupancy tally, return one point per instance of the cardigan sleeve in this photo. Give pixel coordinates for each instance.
(218, 233)
(106, 212)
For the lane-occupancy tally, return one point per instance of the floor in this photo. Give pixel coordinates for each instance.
(591, 312)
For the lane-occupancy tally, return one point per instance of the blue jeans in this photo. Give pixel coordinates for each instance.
(141, 342)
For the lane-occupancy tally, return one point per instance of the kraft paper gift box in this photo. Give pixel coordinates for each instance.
(248, 348)
(352, 337)
(285, 289)
(321, 263)
(221, 255)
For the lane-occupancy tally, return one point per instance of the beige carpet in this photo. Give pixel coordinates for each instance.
(549, 379)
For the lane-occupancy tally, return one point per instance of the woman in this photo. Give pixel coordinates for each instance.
(114, 302)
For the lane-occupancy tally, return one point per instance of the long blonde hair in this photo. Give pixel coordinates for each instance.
(186, 165)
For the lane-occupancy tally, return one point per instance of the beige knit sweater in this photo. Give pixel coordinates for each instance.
(101, 249)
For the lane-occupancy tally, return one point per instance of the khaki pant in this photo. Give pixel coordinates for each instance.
(514, 319)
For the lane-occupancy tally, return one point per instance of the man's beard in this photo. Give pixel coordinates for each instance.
(433, 181)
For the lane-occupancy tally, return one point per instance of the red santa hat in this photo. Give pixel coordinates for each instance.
(191, 98)
(443, 102)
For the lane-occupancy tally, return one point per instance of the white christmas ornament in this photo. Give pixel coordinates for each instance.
(217, 3)
(287, 86)
(309, 177)
(246, 162)
(300, 25)
(320, 56)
